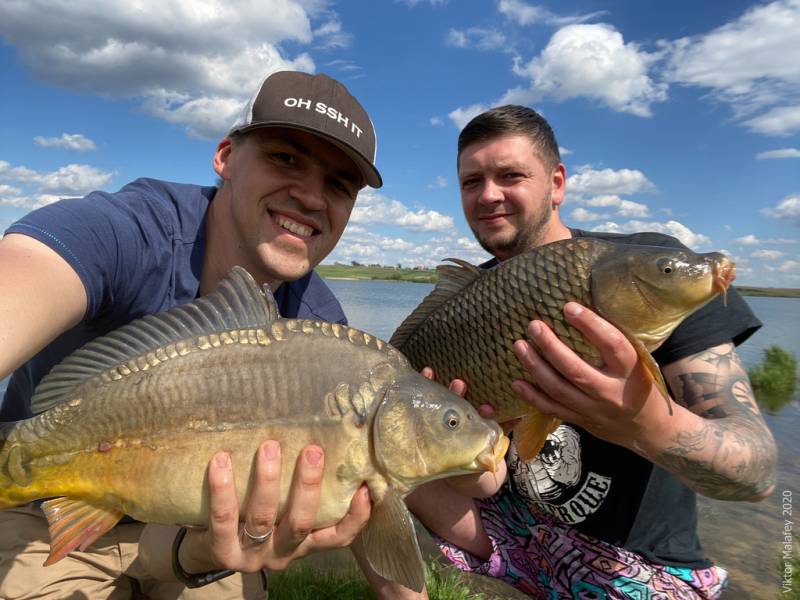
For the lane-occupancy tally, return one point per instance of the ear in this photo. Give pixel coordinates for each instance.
(558, 183)
(221, 157)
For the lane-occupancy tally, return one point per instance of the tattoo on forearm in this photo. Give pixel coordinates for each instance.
(732, 455)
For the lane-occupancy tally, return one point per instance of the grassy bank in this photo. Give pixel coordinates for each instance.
(339, 271)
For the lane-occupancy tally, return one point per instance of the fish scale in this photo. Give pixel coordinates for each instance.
(466, 327)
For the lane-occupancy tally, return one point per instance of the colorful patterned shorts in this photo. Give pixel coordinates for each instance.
(546, 559)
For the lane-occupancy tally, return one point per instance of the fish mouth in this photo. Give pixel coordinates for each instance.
(723, 272)
(491, 457)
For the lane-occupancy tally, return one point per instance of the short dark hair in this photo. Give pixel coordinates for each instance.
(512, 119)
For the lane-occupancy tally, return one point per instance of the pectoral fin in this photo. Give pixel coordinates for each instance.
(531, 432)
(75, 523)
(652, 369)
(391, 545)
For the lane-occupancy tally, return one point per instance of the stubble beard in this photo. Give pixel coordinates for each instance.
(522, 240)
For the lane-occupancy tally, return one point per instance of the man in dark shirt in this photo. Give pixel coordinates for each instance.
(608, 507)
(290, 169)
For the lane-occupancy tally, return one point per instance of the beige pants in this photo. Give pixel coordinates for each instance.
(109, 569)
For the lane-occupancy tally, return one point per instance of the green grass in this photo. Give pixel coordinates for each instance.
(375, 272)
(307, 583)
(775, 379)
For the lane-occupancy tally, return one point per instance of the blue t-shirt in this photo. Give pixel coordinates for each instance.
(138, 251)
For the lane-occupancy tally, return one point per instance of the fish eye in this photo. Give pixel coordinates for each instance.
(665, 265)
(451, 419)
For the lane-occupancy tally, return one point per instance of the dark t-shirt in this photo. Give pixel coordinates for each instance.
(138, 251)
(611, 493)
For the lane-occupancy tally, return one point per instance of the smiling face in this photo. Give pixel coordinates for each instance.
(284, 203)
(508, 195)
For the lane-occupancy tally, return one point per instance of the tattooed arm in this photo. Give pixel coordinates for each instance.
(731, 454)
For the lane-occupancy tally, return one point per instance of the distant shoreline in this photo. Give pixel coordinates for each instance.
(374, 272)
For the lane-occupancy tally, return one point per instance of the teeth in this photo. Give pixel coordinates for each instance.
(293, 226)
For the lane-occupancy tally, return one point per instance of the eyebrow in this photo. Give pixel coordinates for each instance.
(342, 173)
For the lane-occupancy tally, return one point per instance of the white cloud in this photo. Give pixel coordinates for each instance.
(787, 209)
(185, 59)
(751, 63)
(373, 207)
(782, 153)
(436, 121)
(582, 215)
(630, 209)
(594, 61)
(780, 121)
(564, 151)
(70, 141)
(748, 240)
(479, 38)
(67, 181)
(525, 14)
(461, 116)
(767, 254)
(441, 182)
(608, 181)
(673, 228)
(789, 266)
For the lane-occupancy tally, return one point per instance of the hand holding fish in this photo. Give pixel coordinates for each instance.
(617, 402)
(223, 544)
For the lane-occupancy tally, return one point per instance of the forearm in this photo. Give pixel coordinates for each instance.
(731, 458)
(717, 441)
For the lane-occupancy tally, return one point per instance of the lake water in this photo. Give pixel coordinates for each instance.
(745, 538)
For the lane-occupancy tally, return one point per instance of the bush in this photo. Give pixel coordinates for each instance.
(775, 378)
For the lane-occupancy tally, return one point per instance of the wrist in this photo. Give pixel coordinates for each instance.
(192, 579)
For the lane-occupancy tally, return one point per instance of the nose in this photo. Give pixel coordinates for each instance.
(491, 193)
(309, 189)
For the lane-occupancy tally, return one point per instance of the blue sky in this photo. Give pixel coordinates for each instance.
(681, 117)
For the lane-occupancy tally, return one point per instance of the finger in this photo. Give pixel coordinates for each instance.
(345, 531)
(458, 386)
(552, 357)
(262, 505)
(618, 354)
(551, 383)
(428, 373)
(486, 411)
(223, 522)
(544, 403)
(303, 501)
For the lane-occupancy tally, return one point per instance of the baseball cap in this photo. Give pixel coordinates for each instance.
(319, 105)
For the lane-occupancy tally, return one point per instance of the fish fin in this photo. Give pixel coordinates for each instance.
(451, 281)
(652, 369)
(531, 433)
(236, 303)
(75, 524)
(390, 543)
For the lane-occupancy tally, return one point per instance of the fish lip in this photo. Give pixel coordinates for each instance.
(491, 457)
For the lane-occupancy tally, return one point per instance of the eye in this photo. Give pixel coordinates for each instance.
(283, 157)
(341, 188)
(451, 419)
(665, 265)
(467, 183)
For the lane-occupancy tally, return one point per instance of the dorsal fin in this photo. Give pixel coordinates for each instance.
(451, 281)
(236, 303)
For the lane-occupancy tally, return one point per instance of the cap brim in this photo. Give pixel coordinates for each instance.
(368, 171)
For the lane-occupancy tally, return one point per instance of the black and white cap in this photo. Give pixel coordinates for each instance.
(319, 105)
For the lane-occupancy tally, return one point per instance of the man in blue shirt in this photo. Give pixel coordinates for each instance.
(290, 169)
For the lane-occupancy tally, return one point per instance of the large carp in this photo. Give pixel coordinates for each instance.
(132, 419)
(466, 327)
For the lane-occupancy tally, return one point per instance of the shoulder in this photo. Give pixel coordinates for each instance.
(309, 298)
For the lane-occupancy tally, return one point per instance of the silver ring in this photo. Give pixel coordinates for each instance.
(257, 539)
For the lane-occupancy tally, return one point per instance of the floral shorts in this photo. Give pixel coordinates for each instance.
(546, 559)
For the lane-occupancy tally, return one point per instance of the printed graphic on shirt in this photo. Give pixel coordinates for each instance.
(555, 483)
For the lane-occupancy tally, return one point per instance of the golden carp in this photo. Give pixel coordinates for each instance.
(466, 327)
(131, 420)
